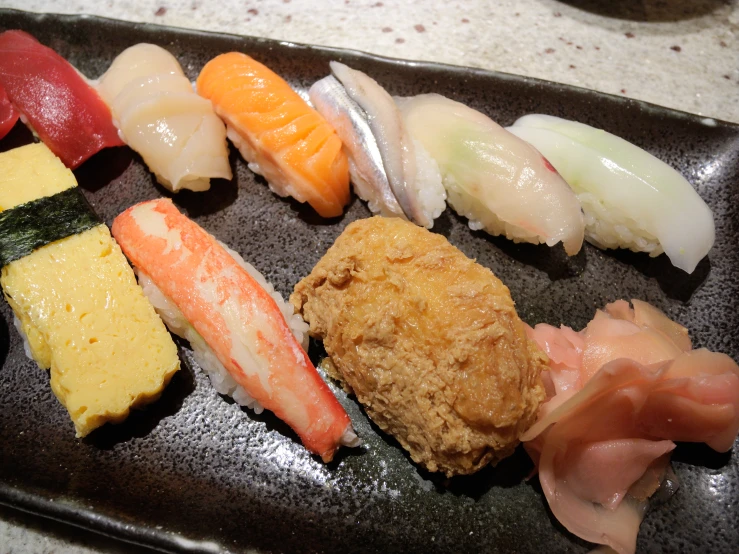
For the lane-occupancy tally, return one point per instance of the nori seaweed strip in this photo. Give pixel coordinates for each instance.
(34, 224)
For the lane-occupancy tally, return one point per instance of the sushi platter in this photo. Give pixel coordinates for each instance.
(339, 470)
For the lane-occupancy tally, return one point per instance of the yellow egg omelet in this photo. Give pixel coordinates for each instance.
(84, 315)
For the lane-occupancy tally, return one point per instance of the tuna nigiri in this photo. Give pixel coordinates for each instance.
(159, 115)
(8, 114)
(208, 295)
(499, 182)
(631, 199)
(54, 99)
(277, 132)
(389, 169)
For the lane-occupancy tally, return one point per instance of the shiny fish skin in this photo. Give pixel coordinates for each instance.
(394, 142)
(365, 160)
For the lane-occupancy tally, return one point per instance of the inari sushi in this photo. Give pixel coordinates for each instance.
(74, 296)
(277, 132)
(239, 329)
(159, 115)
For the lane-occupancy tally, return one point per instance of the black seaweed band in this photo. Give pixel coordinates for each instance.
(29, 226)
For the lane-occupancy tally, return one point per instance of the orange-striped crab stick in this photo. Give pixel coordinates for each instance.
(241, 331)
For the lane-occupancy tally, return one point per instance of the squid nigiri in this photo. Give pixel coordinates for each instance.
(631, 199)
(160, 116)
(240, 331)
(499, 182)
(277, 132)
(389, 169)
(8, 114)
(54, 99)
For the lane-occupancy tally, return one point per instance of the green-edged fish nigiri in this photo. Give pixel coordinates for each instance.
(631, 199)
(499, 182)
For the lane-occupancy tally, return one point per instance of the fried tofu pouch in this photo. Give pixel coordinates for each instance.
(428, 340)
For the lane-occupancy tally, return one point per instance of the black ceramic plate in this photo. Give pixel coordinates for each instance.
(194, 471)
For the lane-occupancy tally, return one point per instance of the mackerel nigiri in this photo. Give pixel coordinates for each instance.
(159, 115)
(210, 296)
(501, 183)
(277, 132)
(389, 169)
(54, 99)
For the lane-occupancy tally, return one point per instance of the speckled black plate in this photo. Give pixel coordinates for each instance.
(196, 472)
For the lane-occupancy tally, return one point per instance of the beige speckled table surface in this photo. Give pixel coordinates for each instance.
(683, 54)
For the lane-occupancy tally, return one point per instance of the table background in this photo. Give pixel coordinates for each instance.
(683, 54)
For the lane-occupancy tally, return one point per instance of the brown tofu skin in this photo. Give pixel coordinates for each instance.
(428, 340)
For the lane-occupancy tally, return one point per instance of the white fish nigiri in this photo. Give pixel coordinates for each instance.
(631, 199)
(411, 173)
(159, 115)
(499, 182)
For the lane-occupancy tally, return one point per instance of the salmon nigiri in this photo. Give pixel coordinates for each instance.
(277, 132)
(238, 327)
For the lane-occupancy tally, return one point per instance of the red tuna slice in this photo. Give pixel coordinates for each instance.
(8, 114)
(61, 108)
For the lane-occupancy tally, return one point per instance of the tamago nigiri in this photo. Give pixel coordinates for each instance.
(243, 334)
(277, 132)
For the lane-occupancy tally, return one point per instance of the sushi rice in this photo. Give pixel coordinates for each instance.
(608, 227)
(428, 186)
(176, 322)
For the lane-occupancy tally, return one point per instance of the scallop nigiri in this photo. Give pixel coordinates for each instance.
(631, 199)
(499, 182)
(389, 169)
(277, 132)
(160, 116)
(238, 327)
(54, 99)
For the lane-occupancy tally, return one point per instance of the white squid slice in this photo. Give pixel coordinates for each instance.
(631, 199)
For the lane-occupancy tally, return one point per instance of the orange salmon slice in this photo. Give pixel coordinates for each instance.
(292, 145)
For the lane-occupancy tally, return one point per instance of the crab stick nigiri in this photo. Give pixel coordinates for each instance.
(237, 329)
(277, 132)
(501, 183)
(159, 115)
(54, 99)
